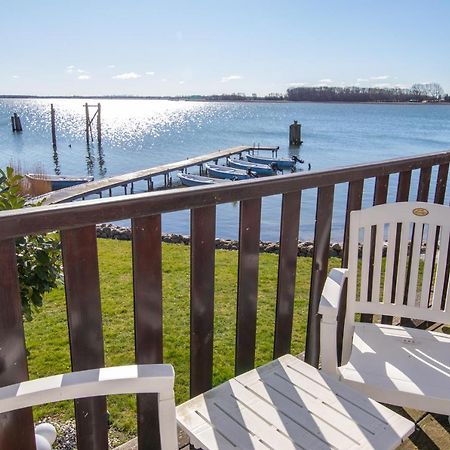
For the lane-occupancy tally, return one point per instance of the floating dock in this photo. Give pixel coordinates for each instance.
(99, 187)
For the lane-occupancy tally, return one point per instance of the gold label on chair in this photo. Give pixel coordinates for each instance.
(420, 212)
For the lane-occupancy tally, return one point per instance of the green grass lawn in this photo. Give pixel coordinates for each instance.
(47, 335)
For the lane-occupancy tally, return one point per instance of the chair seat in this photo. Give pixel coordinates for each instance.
(401, 366)
(288, 404)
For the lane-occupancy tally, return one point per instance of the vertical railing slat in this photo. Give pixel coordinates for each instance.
(354, 202)
(16, 427)
(81, 275)
(322, 233)
(247, 290)
(147, 286)
(403, 188)
(287, 268)
(379, 197)
(441, 184)
(203, 231)
(424, 184)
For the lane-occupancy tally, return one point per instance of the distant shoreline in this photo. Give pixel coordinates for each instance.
(206, 100)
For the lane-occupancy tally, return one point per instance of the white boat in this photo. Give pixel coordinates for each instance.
(189, 179)
(228, 173)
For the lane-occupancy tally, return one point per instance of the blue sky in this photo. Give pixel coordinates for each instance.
(176, 47)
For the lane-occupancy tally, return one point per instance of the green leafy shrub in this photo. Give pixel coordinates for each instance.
(38, 256)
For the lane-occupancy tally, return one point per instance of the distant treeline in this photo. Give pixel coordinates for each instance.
(417, 93)
(429, 92)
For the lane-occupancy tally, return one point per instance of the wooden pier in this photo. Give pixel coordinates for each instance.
(107, 184)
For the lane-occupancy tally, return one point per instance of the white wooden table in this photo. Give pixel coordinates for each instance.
(288, 404)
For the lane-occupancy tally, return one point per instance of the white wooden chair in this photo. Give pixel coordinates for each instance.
(393, 364)
(133, 379)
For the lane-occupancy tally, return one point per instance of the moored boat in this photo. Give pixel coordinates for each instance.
(260, 169)
(189, 179)
(228, 173)
(58, 181)
(278, 163)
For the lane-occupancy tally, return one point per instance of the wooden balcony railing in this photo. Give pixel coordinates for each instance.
(76, 223)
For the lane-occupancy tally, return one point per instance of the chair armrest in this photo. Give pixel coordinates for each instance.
(328, 308)
(133, 379)
(144, 378)
(331, 294)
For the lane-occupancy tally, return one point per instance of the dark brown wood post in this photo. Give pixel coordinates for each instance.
(203, 233)
(16, 427)
(324, 214)
(82, 286)
(148, 325)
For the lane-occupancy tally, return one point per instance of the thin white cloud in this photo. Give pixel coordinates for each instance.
(181, 82)
(296, 84)
(81, 71)
(382, 85)
(231, 78)
(84, 77)
(150, 73)
(380, 77)
(127, 76)
(111, 66)
(325, 80)
(15, 76)
(70, 69)
(361, 80)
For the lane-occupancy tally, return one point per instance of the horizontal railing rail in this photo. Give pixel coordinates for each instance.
(62, 216)
(76, 223)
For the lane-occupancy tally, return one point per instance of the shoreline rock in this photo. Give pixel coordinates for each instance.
(305, 248)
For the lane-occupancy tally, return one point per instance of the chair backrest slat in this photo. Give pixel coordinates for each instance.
(365, 264)
(428, 269)
(390, 262)
(414, 264)
(378, 253)
(402, 261)
(416, 279)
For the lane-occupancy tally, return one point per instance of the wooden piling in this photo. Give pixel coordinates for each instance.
(295, 134)
(88, 124)
(18, 123)
(99, 125)
(15, 123)
(52, 116)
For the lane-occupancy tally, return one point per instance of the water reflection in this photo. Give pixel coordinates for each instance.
(101, 161)
(90, 159)
(56, 160)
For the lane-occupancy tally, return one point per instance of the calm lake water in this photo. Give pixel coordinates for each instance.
(138, 134)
